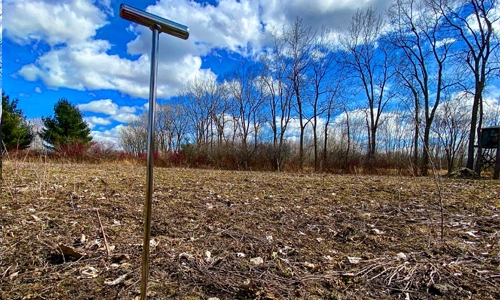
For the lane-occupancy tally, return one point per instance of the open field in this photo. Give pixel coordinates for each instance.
(245, 235)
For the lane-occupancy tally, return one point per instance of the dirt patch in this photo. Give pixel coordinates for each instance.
(245, 235)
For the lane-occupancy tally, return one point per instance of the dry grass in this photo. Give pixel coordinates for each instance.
(319, 236)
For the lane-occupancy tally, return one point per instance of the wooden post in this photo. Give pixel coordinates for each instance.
(496, 174)
(479, 161)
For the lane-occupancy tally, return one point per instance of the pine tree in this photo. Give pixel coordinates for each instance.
(66, 128)
(16, 132)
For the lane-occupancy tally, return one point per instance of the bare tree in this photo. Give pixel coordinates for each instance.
(164, 134)
(473, 21)
(278, 96)
(201, 96)
(180, 123)
(133, 137)
(299, 39)
(324, 88)
(452, 121)
(246, 92)
(426, 49)
(367, 59)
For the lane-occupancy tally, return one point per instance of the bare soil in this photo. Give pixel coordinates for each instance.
(245, 235)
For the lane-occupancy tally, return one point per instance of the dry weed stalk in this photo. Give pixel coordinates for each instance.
(108, 253)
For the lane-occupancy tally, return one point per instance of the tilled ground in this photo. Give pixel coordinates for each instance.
(246, 235)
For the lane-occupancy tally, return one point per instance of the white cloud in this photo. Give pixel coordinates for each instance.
(38, 90)
(94, 121)
(51, 21)
(125, 117)
(243, 26)
(109, 136)
(88, 66)
(492, 14)
(122, 114)
(104, 106)
(444, 42)
(81, 62)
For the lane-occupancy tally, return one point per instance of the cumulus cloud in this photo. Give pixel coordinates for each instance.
(242, 26)
(122, 114)
(78, 60)
(104, 106)
(81, 62)
(88, 66)
(111, 136)
(53, 22)
(94, 121)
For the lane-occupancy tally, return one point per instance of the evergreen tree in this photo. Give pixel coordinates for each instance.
(66, 127)
(16, 132)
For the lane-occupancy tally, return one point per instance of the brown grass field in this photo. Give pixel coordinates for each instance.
(246, 235)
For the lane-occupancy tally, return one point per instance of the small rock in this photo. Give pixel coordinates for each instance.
(213, 298)
(208, 256)
(269, 238)
(256, 261)
(354, 260)
(376, 231)
(401, 255)
(240, 254)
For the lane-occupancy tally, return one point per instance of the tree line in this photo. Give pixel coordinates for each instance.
(391, 89)
(64, 131)
(403, 88)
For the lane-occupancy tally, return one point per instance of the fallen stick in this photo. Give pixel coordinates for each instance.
(103, 234)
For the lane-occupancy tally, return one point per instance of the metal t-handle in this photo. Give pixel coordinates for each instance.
(157, 25)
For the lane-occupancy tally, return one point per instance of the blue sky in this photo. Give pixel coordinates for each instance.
(83, 51)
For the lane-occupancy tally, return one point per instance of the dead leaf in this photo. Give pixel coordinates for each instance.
(118, 258)
(186, 255)
(354, 260)
(13, 275)
(68, 251)
(89, 272)
(311, 266)
(116, 281)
